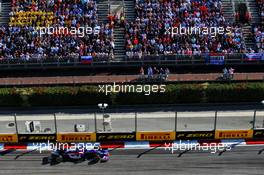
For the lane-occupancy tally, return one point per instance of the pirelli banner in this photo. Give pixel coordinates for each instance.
(8, 138)
(37, 137)
(155, 136)
(194, 135)
(258, 134)
(233, 134)
(115, 137)
(76, 137)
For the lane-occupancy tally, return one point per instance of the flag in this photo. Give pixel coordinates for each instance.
(86, 59)
(254, 56)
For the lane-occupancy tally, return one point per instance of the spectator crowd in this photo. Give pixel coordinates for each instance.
(259, 30)
(154, 73)
(21, 39)
(148, 35)
(260, 4)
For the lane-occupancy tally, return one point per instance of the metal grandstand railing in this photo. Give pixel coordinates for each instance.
(191, 60)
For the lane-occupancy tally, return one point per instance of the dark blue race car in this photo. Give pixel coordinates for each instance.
(93, 156)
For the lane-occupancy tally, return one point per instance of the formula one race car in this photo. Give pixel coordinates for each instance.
(77, 156)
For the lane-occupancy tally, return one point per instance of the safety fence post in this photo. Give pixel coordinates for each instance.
(254, 119)
(135, 121)
(215, 121)
(176, 118)
(55, 123)
(15, 119)
(95, 123)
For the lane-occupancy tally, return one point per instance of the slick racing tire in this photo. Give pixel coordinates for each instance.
(56, 160)
(94, 161)
(45, 160)
(59, 159)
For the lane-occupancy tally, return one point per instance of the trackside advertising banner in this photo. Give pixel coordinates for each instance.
(155, 136)
(76, 137)
(37, 137)
(8, 138)
(127, 136)
(233, 134)
(115, 136)
(258, 134)
(194, 135)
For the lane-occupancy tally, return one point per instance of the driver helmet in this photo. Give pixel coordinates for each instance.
(97, 147)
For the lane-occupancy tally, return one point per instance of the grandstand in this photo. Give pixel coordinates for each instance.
(131, 30)
(21, 39)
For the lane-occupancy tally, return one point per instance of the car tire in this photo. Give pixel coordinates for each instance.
(59, 159)
(45, 160)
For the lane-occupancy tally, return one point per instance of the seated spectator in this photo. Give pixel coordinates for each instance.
(259, 30)
(142, 73)
(259, 38)
(261, 8)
